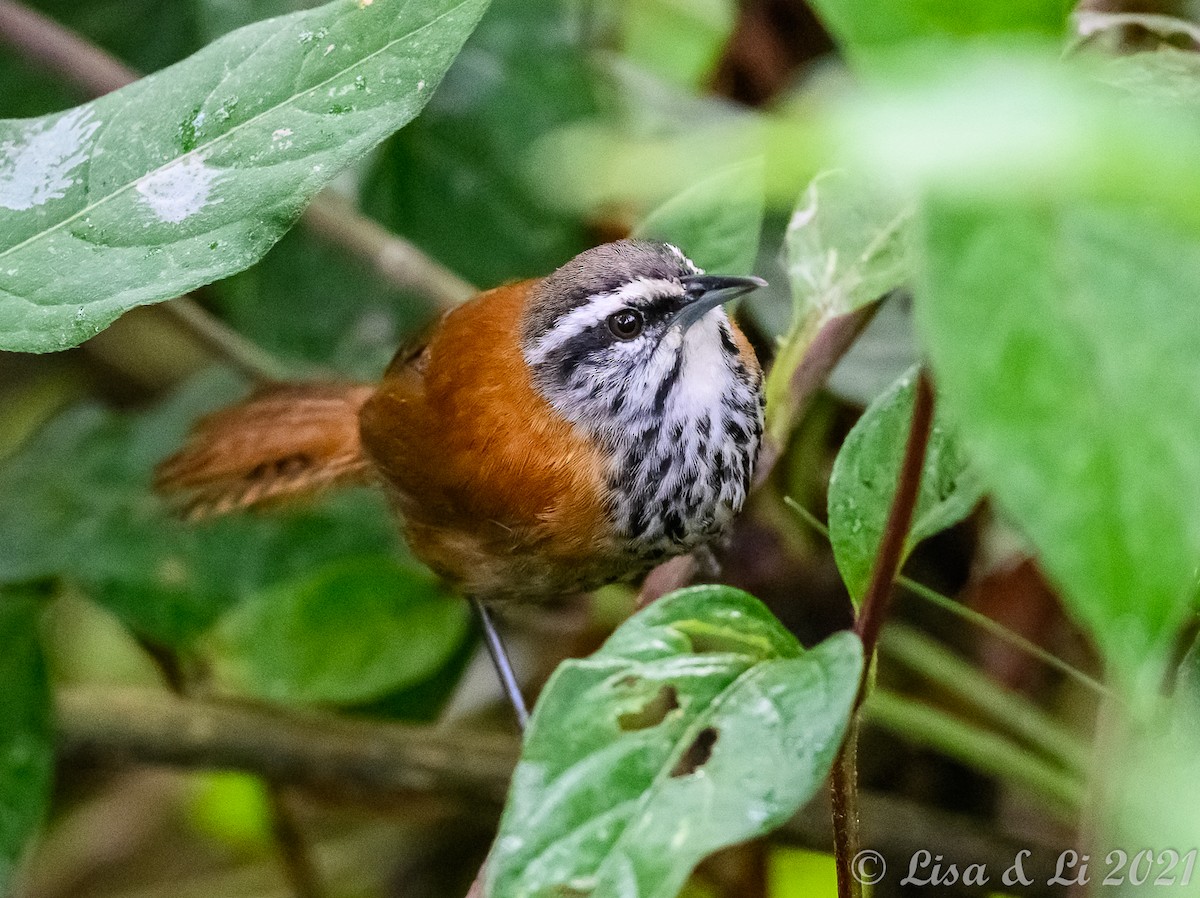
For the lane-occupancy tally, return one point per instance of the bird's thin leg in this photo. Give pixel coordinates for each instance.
(500, 659)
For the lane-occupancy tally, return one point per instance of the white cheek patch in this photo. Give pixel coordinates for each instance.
(595, 310)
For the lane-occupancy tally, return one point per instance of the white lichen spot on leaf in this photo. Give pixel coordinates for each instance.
(180, 190)
(38, 168)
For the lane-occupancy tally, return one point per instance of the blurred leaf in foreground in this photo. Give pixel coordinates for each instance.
(717, 222)
(699, 724)
(26, 741)
(863, 484)
(1064, 345)
(678, 40)
(192, 173)
(871, 31)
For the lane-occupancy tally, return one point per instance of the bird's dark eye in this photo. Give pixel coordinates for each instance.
(626, 324)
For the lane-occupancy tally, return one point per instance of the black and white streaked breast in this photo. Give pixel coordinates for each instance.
(681, 412)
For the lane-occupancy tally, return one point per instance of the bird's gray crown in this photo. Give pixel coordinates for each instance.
(604, 269)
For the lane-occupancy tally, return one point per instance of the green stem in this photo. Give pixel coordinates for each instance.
(970, 616)
(1009, 711)
(979, 749)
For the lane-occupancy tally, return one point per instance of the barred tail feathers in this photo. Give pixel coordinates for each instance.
(285, 441)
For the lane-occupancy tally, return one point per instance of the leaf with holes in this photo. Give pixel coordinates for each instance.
(699, 724)
(864, 477)
(193, 173)
(717, 222)
(26, 743)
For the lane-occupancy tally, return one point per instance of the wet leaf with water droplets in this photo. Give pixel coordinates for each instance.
(699, 724)
(192, 173)
(864, 477)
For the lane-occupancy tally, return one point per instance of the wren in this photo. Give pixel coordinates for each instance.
(550, 436)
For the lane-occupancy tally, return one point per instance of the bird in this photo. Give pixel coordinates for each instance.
(547, 437)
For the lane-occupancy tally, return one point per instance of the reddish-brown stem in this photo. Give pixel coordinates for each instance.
(843, 801)
(891, 548)
(828, 347)
(844, 781)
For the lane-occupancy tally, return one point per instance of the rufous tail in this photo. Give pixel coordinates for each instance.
(285, 441)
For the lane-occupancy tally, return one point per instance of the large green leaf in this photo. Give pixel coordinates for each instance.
(1064, 341)
(863, 484)
(76, 502)
(26, 742)
(454, 182)
(700, 723)
(192, 173)
(717, 222)
(353, 631)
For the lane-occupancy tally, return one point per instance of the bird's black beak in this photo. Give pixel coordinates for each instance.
(707, 291)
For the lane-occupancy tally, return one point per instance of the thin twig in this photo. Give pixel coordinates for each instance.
(224, 342)
(295, 854)
(292, 849)
(71, 57)
(51, 46)
(402, 264)
(319, 752)
(844, 789)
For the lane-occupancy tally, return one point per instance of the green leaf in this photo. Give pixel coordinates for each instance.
(870, 31)
(192, 173)
(717, 222)
(678, 40)
(863, 484)
(351, 632)
(848, 244)
(1064, 343)
(76, 502)
(699, 724)
(26, 740)
(459, 170)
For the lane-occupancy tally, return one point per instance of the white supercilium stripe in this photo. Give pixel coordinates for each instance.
(598, 307)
